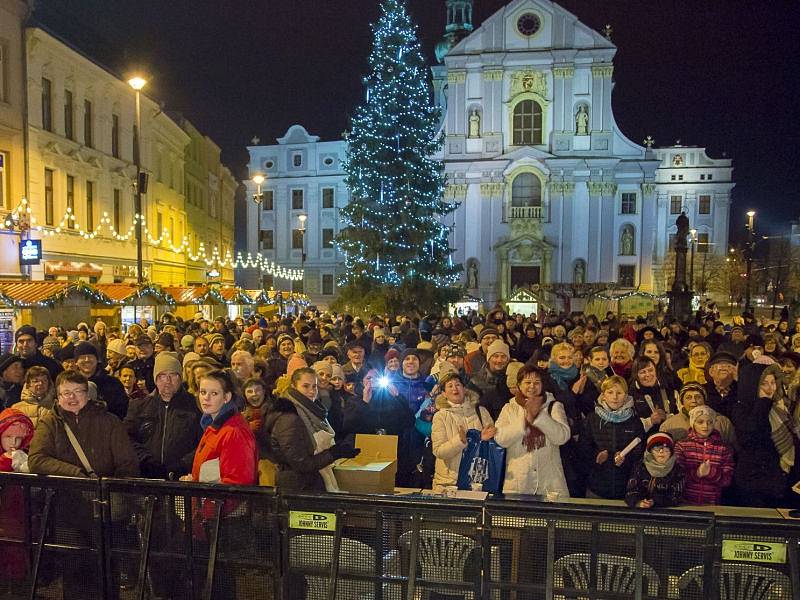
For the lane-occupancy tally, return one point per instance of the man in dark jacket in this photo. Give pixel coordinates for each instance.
(490, 380)
(25, 339)
(721, 383)
(109, 389)
(222, 329)
(145, 362)
(165, 425)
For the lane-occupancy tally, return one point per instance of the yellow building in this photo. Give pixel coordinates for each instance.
(12, 148)
(209, 190)
(81, 177)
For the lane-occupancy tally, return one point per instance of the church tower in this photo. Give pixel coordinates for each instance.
(459, 26)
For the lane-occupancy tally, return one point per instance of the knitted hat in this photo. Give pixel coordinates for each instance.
(455, 350)
(84, 348)
(695, 387)
(378, 332)
(144, 340)
(97, 325)
(285, 336)
(189, 357)
(25, 330)
(511, 373)
(322, 366)
(487, 331)
(337, 371)
(166, 362)
(660, 439)
(498, 347)
(296, 361)
(214, 337)
(700, 411)
(409, 352)
(425, 346)
(6, 360)
(448, 376)
(116, 346)
(187, 341)
(331, 344)
(390, 354)
(53, 343)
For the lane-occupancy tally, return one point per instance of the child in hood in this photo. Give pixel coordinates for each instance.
(657, 480)
(16, 433)
(706, 459)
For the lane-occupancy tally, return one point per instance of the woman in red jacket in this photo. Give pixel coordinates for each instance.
(226, 454)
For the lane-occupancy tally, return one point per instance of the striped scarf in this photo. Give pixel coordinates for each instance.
(784, 430)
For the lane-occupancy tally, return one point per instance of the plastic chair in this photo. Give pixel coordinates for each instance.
(316, 551)
(742, 581)
(614, 574)
(442, 555)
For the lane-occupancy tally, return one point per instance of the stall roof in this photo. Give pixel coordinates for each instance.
(23, 294)
(123, 293)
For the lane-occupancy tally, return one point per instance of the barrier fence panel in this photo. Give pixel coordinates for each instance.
(756, 558)
(545, 551)
(51, 532)
(177, 540)
(346, 547)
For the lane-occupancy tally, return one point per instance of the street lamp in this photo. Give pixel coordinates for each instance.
(693, 236)
(137, 83)
(749, 247)
(258, 197)
(302, 230)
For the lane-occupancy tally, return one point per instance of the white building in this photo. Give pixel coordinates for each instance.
(549, 188)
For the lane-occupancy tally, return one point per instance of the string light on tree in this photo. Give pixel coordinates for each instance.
(394, 240)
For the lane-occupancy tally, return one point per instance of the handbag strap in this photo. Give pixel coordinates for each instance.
(79, 451)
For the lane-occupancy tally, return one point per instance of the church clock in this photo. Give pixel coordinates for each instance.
(528, 24)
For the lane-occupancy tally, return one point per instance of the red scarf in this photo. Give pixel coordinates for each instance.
(534, 437)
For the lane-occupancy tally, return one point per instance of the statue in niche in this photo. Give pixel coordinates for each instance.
(579, 276)
(626, 241)
(472, 274)
(475, 124)
(582, 121)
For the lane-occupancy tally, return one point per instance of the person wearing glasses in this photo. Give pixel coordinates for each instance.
(79, 438)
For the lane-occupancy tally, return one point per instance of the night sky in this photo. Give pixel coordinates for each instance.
(718, 74)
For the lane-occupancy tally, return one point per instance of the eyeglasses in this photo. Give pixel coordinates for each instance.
(72, 393)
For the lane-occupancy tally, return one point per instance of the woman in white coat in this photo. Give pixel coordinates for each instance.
(531, 427)
(457, 411)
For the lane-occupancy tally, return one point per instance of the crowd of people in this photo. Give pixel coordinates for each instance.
(651, 412)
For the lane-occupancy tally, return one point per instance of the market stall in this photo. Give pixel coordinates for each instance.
(128, 303)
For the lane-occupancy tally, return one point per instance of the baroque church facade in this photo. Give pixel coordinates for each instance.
(549, 189)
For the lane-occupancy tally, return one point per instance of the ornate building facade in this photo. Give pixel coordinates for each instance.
(549, 189)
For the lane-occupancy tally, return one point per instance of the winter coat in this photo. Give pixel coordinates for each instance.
(538, 471)
(690, 453)
(758, 471)
(227, 438)
(646, 400)
(10, 394)
(13, 565)
(165, 435)
(286, 442)
(34, 408)
(492, 388)
(608, 480)
(663, 491)
(40, 360)
(144, 371)
(677, 426)
(724, 405)
(447, 444)
(101, 435)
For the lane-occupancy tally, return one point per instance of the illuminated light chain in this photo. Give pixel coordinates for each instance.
(67, 224)
(393, 230)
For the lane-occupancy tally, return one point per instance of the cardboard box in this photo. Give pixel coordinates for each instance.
(371, 472)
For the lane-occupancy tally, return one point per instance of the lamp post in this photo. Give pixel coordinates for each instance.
(693, 237)
(302, 230)
(751, 242)
(137, 83)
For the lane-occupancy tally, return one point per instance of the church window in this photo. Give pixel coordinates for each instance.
(672, 178)
(702, 243)
(268, 201)
(526, 190)
(527, 123)
(327, 197)
(709, 177)
(704, 205)
(702, 176)
(628, 206)
(297, 199)
(675, 205)
(528, 24)
(297, 159)
(627, 276)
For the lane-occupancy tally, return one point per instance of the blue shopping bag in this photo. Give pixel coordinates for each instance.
(482, 464)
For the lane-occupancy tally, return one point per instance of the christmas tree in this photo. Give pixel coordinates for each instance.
(395, 240)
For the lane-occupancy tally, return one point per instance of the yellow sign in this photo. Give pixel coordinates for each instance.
(754, 551)
(311, 520)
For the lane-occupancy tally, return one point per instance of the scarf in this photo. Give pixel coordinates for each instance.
(655, 396)
(314, 416)
(595, 375)
(655, 469)
(622, 369)
(562, 376)
(607, 415)
(784, 430)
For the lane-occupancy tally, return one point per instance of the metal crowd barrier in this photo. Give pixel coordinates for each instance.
(145, 539)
